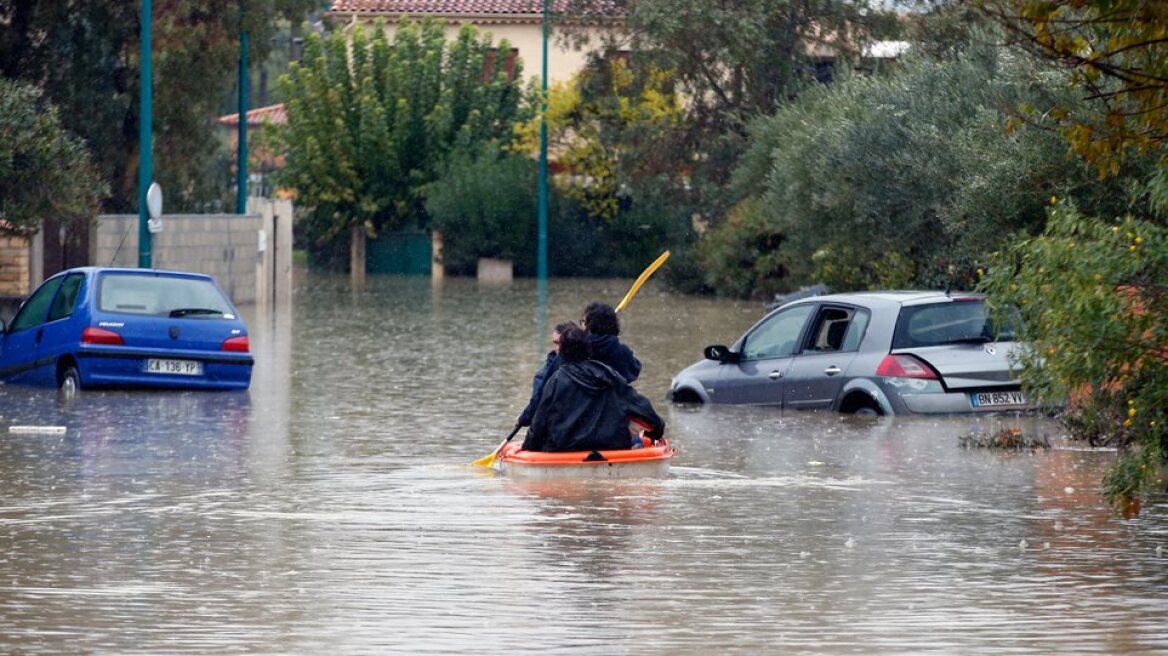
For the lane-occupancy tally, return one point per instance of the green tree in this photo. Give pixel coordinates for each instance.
(371, 122)
(86, 58)
(485, 206)
(1114, 52)
(1100, 323)
(910, 179)
(736, 61)
(600, 125)
(44, 171)
(1093, 296)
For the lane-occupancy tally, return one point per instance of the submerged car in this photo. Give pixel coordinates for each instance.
(873, 353)
(107, 327)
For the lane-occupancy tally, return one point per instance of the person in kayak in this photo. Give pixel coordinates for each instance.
(603, 332)
(586, 405)
(545, 372)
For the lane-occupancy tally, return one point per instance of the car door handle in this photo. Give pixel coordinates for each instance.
(832, 370)
(775, 375)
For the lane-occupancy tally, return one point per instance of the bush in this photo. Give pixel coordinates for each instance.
(485, 206)
(1094, 296)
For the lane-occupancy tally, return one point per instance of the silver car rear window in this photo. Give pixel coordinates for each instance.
(155, 295)
(954, 322)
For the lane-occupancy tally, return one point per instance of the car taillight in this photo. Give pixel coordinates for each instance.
(904, 366)
(237, 344)
(95, 335)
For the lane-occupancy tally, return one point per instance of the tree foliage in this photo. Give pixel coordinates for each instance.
(85, 56)
(602, 126)
(1100, 324)
(1093, 294)
(370, 121)
(910, 180)
(485, 206)
(1114, 50)
(733, 62)
(45, 172)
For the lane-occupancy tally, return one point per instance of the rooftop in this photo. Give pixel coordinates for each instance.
(472, 7)
(274, 114)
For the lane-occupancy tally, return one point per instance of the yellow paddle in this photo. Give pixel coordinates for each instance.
(489, 459)
(641, 279)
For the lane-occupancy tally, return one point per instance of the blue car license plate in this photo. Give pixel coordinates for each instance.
(994, 399)
(180, 367)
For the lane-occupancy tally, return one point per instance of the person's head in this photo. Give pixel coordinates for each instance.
(600, 319)
(559, 330)
(574, 345)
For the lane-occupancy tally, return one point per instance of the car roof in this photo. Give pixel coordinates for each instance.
(890, 297)
(89, 270)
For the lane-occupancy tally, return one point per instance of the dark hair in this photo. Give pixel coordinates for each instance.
(563, 327)
(600, 319)
(574, 345)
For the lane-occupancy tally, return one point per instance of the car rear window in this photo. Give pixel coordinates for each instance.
(164, 296)
(954, 322)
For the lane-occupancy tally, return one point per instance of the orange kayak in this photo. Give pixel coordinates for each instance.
(646, 462)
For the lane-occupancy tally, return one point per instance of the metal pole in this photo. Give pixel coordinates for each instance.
(241, 165)
(542, 254)
(145, 139)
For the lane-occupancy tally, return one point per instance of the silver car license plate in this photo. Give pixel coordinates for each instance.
(180, 367)
(995, 399)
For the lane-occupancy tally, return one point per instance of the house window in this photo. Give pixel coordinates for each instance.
(508, 64)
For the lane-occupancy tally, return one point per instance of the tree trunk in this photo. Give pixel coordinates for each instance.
(357, 256)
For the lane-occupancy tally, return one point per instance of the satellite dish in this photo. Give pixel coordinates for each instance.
(154, 200)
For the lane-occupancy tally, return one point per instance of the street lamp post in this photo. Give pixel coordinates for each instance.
(241, 164)
(542, 254)
(145, 140)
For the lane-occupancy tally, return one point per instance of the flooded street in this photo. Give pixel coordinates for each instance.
(332, 508)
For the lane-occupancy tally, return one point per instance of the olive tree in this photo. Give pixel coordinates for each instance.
(911, 179)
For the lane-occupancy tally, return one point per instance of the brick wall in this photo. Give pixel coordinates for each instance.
(14, 274)
(14, 261)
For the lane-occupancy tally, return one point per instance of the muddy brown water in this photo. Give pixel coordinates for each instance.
(331, 508)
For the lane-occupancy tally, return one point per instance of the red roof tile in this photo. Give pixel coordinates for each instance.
(258, 116)
(472, 7)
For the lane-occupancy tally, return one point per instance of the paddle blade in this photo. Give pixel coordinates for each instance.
(641, 280)
(487, 460)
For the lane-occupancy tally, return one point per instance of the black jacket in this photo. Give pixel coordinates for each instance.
(609, 350)
(586, 406)
(541, 377)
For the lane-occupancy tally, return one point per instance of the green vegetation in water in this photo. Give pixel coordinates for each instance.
(1014, 439)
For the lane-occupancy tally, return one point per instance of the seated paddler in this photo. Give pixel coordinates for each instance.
(586, 405)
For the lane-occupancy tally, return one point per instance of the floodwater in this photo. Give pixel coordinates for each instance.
(332, 509)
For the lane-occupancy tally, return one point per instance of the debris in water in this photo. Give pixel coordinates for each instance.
(37, 430)
(1007, 438)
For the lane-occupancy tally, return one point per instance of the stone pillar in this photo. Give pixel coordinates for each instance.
(437, 268)
(493, 271)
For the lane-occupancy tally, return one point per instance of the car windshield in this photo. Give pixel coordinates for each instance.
(954, 322)
(168, 296)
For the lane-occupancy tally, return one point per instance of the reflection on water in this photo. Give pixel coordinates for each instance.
(332, 508)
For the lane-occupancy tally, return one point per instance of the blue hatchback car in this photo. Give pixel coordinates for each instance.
(106, 327)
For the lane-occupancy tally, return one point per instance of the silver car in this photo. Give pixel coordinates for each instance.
(873, 353)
